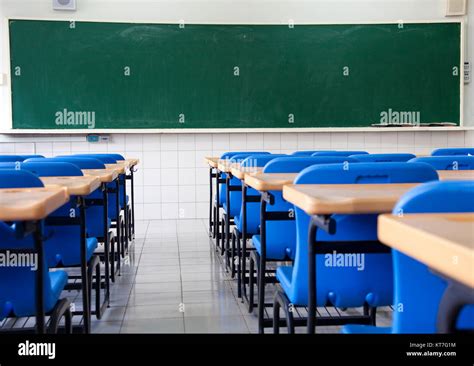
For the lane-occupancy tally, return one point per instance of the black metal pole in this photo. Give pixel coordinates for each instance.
(132, 187)
(106, 243)
(216, 216)
(244, 236)
(38, 239)
(210, 201)
(125, 214)
(225, 242)
(84, 279)
(312, 276)
(262, 265)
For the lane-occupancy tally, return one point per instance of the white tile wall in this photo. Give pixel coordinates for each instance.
(172, 178)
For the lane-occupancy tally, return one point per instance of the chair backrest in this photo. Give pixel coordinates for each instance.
(104, 158)
(308, 152)
(238, 156)
(252, 160)
(82, 163)
(105, 155)
(457, 162)
(11, 178)
(339, 153)
(281, 234)
(349, 286)
(295, 164)
(417, 288)
(383, 158)
(18, 283)
(10, 158)
(229, 154)
(31, 156)
(453, 151)
(50, 169)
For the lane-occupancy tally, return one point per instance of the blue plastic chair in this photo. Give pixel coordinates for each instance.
(236, 196)
(31, 156)
(235, 156)
(45, 170)
(82, 163)
(347, 286)
(281, 235)
(383, 158)
(339, 153)
(421, 297)
(18, 284)
(309, 152)
(453, 151)
(458, 162)
(11, 178)
(10, 158)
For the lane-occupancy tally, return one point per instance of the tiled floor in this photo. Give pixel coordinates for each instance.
(174, 282)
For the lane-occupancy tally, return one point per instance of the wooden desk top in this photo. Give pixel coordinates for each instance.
(269, 181)
(76, 186)
(226, 166)
(240, 172)
(119, 167)
(27, 204)
(212, 161)
(104, 175)
(129, 162)
(456, 174)
(318, 199)
(444, 242)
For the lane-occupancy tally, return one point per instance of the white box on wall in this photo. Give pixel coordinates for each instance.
(456, 7)
(69, 5)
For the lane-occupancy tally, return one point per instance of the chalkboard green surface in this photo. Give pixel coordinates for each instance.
(122, 75)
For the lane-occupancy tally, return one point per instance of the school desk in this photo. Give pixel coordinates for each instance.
(456, 174)
(320, 201)
(80, 187)
(121, 169)
(132, 163)
(30, 206)
(445, 243)
(76, 186)
(212, 162)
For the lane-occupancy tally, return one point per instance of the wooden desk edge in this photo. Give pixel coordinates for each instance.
(388, 223)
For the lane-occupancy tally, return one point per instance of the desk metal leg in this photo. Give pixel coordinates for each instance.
(210, 201)
(125, 213)
(455, 297)
(85, 282)
(117, 218)
(243, 247)
(312, 276)
(132, 188)
(216, 212)
(38, 239)
(225, 238)
(106, 244)
(262, 265)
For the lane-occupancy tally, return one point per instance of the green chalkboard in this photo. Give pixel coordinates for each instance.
(123, 75)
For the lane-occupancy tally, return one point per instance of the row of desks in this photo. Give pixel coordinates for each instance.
(433, 239)
(31, 205)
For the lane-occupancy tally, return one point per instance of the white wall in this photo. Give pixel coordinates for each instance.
(173, 181)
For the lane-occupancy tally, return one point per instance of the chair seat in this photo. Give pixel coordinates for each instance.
(274, 252)
(365, 329)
